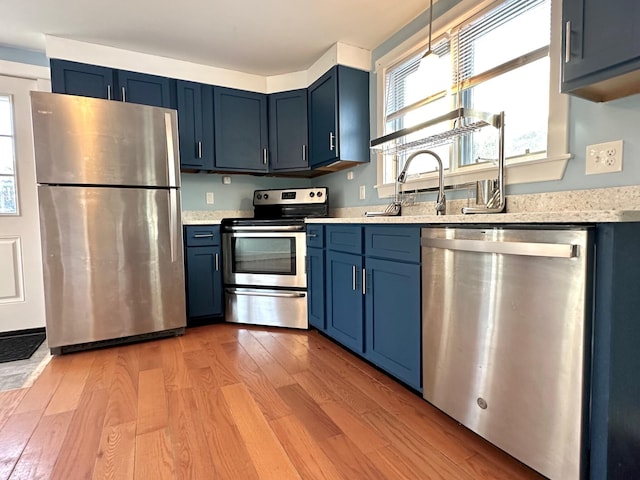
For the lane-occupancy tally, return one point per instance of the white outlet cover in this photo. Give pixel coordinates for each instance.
(363, 192)
(210, 198)
(604, 157)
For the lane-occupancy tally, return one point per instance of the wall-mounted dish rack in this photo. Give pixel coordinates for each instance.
(465, 121)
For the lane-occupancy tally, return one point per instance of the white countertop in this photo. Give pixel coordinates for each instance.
(569, 217)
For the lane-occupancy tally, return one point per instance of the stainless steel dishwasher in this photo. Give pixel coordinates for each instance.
(506, 338)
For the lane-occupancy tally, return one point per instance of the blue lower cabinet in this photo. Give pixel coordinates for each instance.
(204, 282)
(392, 323)
(203, 271)
(345, 321)
(315, 281)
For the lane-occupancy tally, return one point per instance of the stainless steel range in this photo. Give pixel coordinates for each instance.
(264, 258)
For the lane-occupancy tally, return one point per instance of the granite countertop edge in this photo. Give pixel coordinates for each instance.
(568, 217)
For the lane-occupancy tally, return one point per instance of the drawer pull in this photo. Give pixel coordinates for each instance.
(203, 235)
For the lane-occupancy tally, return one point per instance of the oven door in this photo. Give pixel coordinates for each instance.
(256, 256)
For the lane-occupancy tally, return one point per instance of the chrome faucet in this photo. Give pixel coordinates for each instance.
(441, 201)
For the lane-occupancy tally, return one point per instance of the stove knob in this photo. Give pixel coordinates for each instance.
(319, 194)
(259, 196)
(311, 194)
(266, 195)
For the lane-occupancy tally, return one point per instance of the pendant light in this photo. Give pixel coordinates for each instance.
(429, 60)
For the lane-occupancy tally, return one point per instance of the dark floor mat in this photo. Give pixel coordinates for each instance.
(19, 347)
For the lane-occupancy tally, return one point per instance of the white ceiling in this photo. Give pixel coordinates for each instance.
(264, 37)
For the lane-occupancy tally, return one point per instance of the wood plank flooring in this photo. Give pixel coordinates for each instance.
(227, 401)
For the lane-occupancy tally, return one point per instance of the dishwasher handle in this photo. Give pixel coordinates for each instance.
(532, 249)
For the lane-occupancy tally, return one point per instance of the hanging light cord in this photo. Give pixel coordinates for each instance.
(430, 21)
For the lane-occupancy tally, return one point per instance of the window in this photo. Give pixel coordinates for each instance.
(8, 197)
(497, 59)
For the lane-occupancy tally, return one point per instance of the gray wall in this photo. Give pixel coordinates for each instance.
(236, 196)
(589, 123)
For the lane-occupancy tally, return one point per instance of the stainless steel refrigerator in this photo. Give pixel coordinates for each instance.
(109, 198)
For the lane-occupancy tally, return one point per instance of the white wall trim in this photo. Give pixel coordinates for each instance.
(94, 54)
(24, 70)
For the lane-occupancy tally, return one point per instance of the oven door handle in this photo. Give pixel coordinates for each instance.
(273, 228)
(262, 293)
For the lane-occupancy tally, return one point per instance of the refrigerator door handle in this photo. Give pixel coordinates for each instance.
(174, 231)
(171, 152)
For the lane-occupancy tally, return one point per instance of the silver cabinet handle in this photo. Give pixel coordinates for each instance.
(332, 138)
(353, 276)
(567, 42)
(304, 153)
(217, 262)
(108, 92)
(124, 95)
(203, 235)
(554, 250)
(199, 149)
(312, 235)
(364, 281)
(264, 156)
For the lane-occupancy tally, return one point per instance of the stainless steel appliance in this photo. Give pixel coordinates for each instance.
(109, 198)
(264, 258)
(506, 328)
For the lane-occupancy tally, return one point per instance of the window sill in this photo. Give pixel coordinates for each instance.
(516, 171)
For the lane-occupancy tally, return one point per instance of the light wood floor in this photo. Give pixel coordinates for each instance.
(229, 402)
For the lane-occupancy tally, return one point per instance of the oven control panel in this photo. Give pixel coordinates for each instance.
(293, 196)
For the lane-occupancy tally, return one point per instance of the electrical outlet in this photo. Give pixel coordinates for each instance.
(209, 198)
(604, 157)
(363, 192)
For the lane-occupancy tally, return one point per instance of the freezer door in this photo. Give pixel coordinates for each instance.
(90, 141)
(113, 263)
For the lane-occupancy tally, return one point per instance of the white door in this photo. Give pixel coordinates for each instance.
(21, 285)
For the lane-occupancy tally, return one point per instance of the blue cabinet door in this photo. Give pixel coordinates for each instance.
(204, 282)
(393, 319)
(339, 117)
(592, 52)
(323, 98)
(288, 133)
(241, 130)
(145, 89)
(344, 309)
(81, 79)
(316, 292)
(194, 102)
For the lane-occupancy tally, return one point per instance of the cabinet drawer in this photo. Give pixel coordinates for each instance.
(315, 236)
(393, 242)
(202, 235)
(344, 238)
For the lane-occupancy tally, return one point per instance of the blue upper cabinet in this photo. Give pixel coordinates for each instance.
(194, 102)
(339, 117)
(241, 130)
(601, 48)
(145, 89)
(288, 135)
(81, 79)
(102, 82)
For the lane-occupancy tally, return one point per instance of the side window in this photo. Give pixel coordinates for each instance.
(8, 196)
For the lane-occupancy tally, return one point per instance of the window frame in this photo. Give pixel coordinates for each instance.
(13, 175)
(532, 168)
